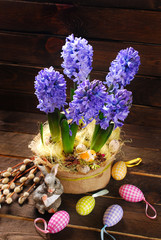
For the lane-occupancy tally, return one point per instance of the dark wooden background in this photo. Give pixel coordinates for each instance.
(32, 33)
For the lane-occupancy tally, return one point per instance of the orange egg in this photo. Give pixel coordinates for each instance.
(88, 156)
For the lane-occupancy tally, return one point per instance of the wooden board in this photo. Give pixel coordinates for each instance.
(44, 50)
(135, 4)
(17, 221)
(32, 33)
(146, 90)
(84, 21)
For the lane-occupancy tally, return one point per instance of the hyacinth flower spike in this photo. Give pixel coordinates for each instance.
(77, 57)
(50, 88)
(123, 69)
(119, 100)
(87, 103)
(113, 113)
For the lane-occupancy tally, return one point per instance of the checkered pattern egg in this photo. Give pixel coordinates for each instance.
(112, 215)
(131, 193)
(58, 221)
(85, 205)
(119, 170)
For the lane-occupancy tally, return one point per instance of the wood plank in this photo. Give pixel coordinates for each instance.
(146, 90)
(21, 122)
(139, 115)
(92, 22)
(13, 229)
(144, 4)
(144, 116)
(69, 232)
(17, 222)
(15, 126)
(44, 50)
(134, 213)
(140, 136)
(13, 143)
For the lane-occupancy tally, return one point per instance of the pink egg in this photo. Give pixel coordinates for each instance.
(58, 221)
(131, 193)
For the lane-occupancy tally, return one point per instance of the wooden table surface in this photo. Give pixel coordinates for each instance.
(16, 222)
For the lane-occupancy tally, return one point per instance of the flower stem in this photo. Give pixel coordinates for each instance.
(53, 119)
(41, 133)
(96, 130)
(67, 139)
(101, 137)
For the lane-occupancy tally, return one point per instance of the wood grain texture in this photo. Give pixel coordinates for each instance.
(139, 115)
(45, 50)
(135, 224)
(135, 4)
(146, 90)
(91, 22)
(31, 36)
(71, 232)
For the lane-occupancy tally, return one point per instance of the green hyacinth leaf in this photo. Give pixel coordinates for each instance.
(102, 137)
(67, 140)
(54, 125)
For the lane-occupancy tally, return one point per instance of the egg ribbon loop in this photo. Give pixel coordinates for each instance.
(134, 162)
(45, 225)
(100, 193)
(146, 210)
(104, 231)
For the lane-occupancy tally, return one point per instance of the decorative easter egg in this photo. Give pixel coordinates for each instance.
(131, 193)
(112, 215)
(83, 169)
(114, 146)
(85, 205)
(119, 170)
(88, 156)
(57, 222)
(81, 148)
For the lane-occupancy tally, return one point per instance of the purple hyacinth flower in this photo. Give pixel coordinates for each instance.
(78, 57)
(50, 88)
(123, 69)
(116, 108)
(88, 101)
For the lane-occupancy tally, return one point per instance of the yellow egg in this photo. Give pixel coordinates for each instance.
(85, 205)
(119, 170)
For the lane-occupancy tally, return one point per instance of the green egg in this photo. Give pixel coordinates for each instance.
(85, 205)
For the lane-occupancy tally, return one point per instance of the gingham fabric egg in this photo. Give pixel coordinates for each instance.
(131, 193)
(119, 170)
(112, 215)
(57, 222)
(85, 205)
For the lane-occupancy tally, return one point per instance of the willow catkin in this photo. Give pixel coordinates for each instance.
(5, 180)
(9, 200)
